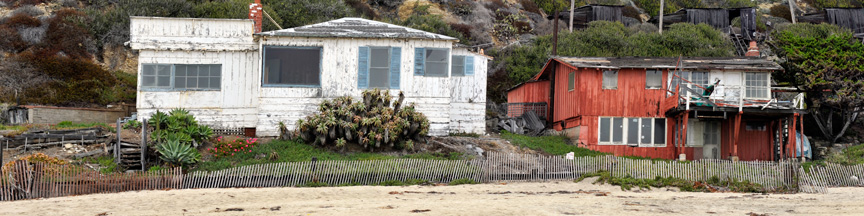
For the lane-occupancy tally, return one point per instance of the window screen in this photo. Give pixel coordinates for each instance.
(437, 62)
(610, 79)
(712, 132)
(756, 85)
(292, 66)
(458, 66)
(660, 132)
(571, 81)
(379, 68)
(633, 131)
(653, 79)
(604, 129)
(618, 130)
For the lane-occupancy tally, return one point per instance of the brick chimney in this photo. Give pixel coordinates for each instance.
(256, 14)
(753, 50)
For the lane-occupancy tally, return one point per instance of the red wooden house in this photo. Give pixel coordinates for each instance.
(656, 107)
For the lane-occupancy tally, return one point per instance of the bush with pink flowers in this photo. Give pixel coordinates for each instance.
(226, 148)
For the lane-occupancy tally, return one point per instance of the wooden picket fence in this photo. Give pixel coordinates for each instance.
(35, 180)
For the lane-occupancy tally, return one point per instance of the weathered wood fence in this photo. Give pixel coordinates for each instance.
(36, 180)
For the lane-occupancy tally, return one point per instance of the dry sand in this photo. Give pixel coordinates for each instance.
(549, 198)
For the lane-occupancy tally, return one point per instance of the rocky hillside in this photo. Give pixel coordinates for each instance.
(71, 52)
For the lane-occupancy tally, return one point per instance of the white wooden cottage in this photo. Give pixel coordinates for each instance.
(229, 76)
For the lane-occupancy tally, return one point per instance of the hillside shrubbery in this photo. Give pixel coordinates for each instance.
(608, 39)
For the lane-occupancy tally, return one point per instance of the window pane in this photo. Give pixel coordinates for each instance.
(203, 82)
(180, 82)
(610, 79)
(148, 81)
(192, 82)
(164, 70)
(148, 70)
(618, 130)
(215, 83)
(659, 131)
(191, 70)
(571, 81)
(633, 131)
(380, 57)
(436, 55)
(653, 79)
(216, 70)
(645, 125)
(296, 66)
(458, 66)
(180, 70)
(604, 129)
(437, 62)
(163, 81)
(203, 70)
(379, 78)
(436, 69)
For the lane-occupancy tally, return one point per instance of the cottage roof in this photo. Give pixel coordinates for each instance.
(351, 27)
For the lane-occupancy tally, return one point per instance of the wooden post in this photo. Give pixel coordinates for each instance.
(117, 145)
(572, 5)
(144, 144)
(737, 132)
(662, 4)
(792, 134)
(684, 135)
(801, 122)
(792, 10)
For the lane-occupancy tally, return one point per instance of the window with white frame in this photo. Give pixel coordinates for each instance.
(756, 85)
(653, 79)
(432, 62)
(643, 132)
(292, 66)
(379, 67)
(700, 133)
(610, 79)
(181, 77)
(701, 78)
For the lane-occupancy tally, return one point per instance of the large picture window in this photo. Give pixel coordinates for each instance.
(434, 62)
(643, 132)
(756, 85)
(292, 66)
(181, 77)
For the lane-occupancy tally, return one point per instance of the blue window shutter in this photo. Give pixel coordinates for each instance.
(469, 65)
(419, 61)
(363, 68)
(395, 66)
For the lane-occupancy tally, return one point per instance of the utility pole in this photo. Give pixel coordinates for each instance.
(662, 5)
(792, 10)
(572, 4)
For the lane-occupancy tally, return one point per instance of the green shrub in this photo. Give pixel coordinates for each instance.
(178, 125)
(133, 124)
(371, 122)
(175, 153)
(463, 181)
(853, 155)
(820, 4)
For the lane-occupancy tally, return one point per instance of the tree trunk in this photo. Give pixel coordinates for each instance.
(826, 124)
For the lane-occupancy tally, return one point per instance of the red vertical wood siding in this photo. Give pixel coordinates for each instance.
(752, 145)
(530, 92)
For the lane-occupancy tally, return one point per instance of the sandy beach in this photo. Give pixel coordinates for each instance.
(546, 198)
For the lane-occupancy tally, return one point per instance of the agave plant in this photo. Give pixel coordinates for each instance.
(176, 153)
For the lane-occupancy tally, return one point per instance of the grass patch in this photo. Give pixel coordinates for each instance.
(463, 181)
(850, 156)
(64, 125)
(107, 164)
(278, 151)
(627, 183)
(475, 135)
(554, 145)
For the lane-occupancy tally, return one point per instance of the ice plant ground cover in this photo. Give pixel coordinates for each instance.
(224, 147)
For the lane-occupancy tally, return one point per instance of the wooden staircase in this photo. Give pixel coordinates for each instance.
(130, 156)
